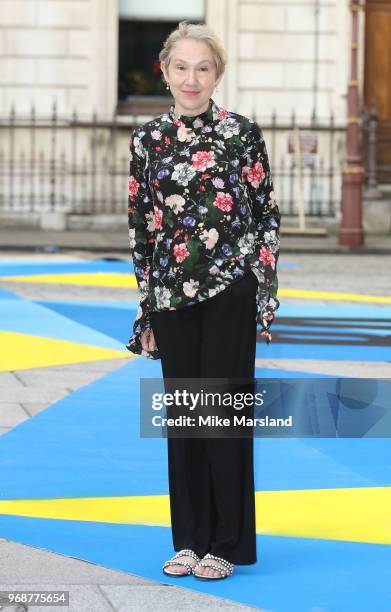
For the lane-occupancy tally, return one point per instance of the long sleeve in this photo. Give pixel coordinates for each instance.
(141, 237)
(258, 180)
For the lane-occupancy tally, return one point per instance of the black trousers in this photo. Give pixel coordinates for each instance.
(211, 480)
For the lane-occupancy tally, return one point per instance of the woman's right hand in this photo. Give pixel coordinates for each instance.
(148, 341)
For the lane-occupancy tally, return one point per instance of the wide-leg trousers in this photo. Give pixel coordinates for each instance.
(211, 480)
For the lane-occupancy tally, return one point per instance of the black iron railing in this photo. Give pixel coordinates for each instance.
(80, 165)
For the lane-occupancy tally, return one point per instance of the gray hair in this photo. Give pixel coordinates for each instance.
(199, 32)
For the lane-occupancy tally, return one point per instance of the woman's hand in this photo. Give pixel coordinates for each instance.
(148, 341)
(267, 335)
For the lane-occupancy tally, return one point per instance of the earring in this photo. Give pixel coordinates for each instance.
(167, 86)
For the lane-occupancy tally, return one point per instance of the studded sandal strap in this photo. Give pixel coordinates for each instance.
(226, 564)
(183, 563)
(186, 552)
(223, 571)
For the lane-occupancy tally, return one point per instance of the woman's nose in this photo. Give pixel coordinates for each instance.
(191, 77)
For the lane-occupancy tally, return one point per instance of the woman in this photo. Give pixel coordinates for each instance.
(203, 230)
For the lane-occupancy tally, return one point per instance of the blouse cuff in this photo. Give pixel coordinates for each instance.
(267, 304)
(141, 324)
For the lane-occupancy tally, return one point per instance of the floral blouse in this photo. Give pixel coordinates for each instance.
(202, 212)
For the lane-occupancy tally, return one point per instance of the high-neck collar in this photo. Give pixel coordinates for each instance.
(209, 115)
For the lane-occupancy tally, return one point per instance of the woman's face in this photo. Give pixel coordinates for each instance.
(192, 76)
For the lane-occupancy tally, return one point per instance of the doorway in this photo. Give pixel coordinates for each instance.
(377, 78)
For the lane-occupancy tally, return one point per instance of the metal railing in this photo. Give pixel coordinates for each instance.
(77, 165)
(310, 153)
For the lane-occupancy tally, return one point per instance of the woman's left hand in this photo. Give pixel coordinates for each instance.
(148, 341)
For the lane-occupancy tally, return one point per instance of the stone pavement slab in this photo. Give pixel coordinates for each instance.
(93, 588)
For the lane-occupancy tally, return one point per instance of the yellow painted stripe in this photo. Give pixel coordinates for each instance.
(22, 351)
(328, 295)
(144, 510)
(97, 279)
(355, 515)
(105, 279)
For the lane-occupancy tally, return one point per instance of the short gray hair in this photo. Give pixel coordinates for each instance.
(199, 32)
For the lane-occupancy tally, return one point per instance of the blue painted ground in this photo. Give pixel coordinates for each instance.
(291, 575)
(18, 268)
(358, 328)
(28, 317)
(97, 438)
(105, 416)
(95, 449)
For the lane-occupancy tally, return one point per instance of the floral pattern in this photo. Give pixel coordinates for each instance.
(202, 212)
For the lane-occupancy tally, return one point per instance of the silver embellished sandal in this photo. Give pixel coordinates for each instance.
(225, 570)
(186, 552)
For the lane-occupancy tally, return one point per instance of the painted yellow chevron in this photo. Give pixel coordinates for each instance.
(350, 514)
(116, 279)
(355, 515)
(97, 279)
(328, 295)
(22, 351)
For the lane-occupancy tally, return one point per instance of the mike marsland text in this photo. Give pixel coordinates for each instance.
(216, 421)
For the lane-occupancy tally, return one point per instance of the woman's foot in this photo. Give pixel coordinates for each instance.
(205, 568)
(181, 564)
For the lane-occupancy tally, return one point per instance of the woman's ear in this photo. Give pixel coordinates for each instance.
(219, 79)
(163, 69)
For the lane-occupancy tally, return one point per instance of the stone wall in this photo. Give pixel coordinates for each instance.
(271, 47)
(63, 49)
(68, 49)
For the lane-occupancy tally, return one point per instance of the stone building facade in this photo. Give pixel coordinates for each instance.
(284, 57)
(58, 49)
(282, 54)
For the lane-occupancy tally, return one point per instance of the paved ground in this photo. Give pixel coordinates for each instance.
(24, 393)
(30, 240)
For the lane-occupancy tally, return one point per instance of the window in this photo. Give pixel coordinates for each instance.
(139, 71)
(143, 27)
